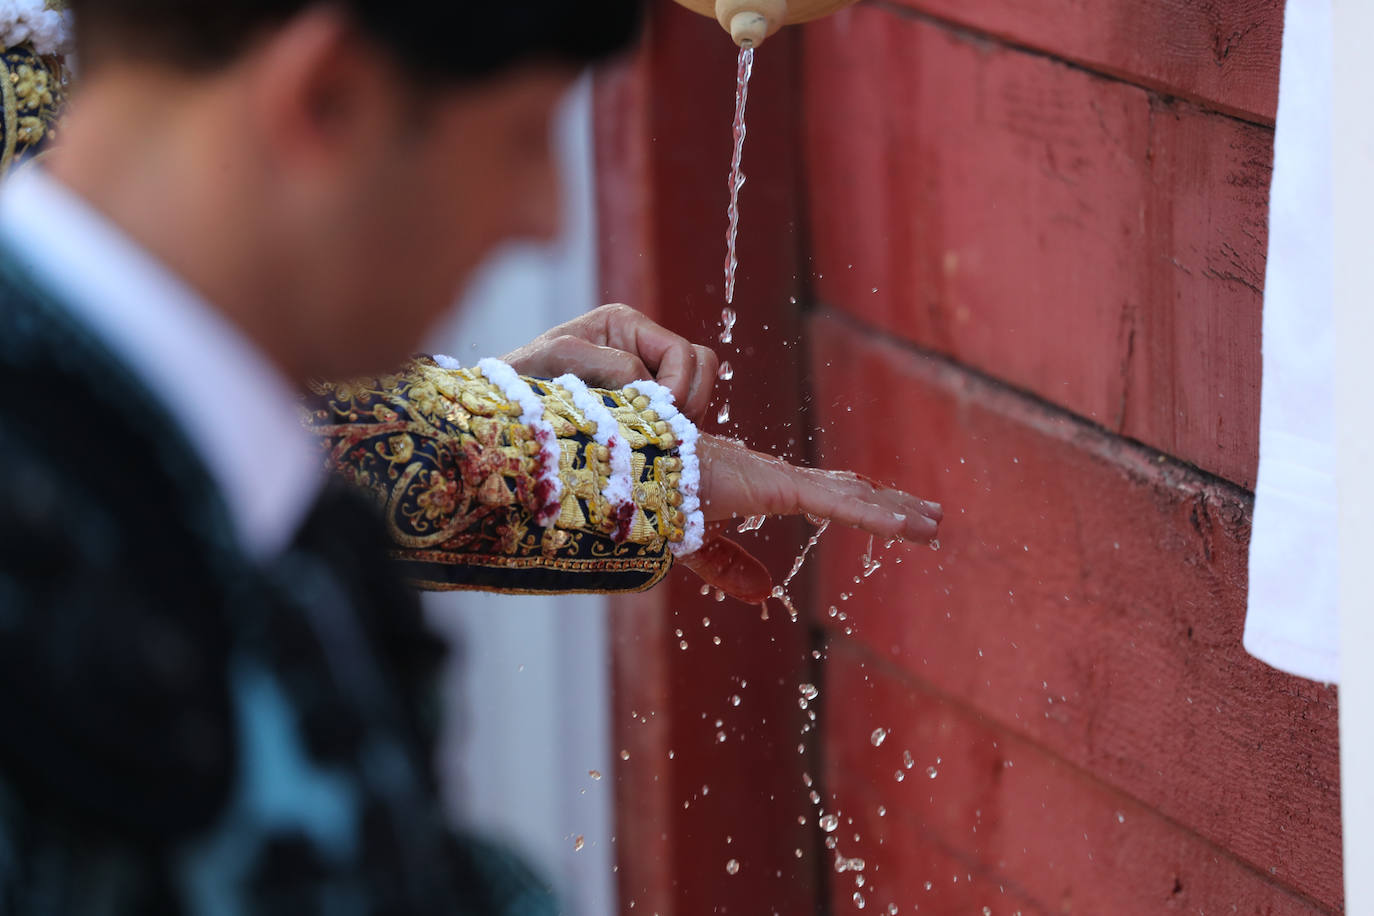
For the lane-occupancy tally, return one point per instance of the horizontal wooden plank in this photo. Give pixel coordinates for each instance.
(1222, 53)
(1063, 232)
(988, 819)
(1088, 594)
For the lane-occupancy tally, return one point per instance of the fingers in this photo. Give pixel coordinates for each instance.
(851, 500)
(690, 373)
(601, 367)
(653, 351)
(686, 369)
(738, 482)
(729, 567)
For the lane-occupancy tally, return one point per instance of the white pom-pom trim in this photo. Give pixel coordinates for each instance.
(50, 31)
(619, 489)
(518, 391)
(446, 362)
(661, 403)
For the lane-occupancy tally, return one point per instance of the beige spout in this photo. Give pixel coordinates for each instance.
(750, 22)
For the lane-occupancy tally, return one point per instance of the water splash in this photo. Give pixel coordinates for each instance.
(746, 69)
(725, 372)
(801, 558)
(752, 523)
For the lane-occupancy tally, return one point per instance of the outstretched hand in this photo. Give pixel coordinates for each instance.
(614, 346)
(737, 482)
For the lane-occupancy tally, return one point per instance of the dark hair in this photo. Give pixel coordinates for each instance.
(447, 40)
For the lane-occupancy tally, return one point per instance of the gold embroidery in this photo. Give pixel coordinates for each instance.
(457, 475)
(33, 90)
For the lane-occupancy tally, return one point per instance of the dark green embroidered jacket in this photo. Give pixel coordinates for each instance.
(182, 730)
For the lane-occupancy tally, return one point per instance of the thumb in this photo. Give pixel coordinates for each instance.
(729, 567)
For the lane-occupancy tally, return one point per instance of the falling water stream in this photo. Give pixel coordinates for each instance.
(746, 69)
(828, 822)
(735, 181)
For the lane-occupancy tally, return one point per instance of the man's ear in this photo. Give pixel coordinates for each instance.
(322, 92)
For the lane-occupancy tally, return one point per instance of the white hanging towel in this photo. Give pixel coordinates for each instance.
(1293, 622)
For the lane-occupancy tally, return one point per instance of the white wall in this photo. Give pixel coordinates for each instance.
(1353, 180)
(531, 688)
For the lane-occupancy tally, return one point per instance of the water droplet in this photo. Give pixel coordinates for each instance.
(859, 900)
(752, 523)
(624, 755)
(932, 772)
(682, 645)
(892, 909)
(579, 843)
(706, 621)
(907, 761)
(735, 700)
(706, 589)
(882, 811)
(929, 885)
(797, 853)
(715, 639)
(727, 320)
(720, 737)
(1120, 818)
(725, 372)
(843, 865)
(732, 867)
(899, 775)
(829, 823)
(934, 545)
(808, 690)
(987, 911)
(594, 774)
(723, 415)
(720, 595)
(878, 737)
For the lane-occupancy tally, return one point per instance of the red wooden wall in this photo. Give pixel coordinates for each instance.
(1027, 243)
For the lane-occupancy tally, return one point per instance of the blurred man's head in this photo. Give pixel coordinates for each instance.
(327, 173)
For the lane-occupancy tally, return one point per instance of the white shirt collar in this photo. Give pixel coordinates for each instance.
(238, 412)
